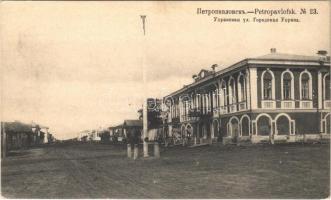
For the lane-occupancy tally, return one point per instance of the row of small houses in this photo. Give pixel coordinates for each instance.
(119, 133)
(17, 135)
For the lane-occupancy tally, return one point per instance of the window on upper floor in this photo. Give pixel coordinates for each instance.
(232, 91)
(223, 94)
(241, 81)
(327, 87)
(214, 100)
(305, 86)
(267, 86)
(287, 85)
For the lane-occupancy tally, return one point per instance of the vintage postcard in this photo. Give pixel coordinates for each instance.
(165, 99)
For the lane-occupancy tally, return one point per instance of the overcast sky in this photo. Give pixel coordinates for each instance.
(78, 65)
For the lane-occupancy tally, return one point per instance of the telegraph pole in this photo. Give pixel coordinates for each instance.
(145, 120)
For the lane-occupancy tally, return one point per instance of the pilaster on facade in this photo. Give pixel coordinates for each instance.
(320, 90)
(253, 88)
(248, 89)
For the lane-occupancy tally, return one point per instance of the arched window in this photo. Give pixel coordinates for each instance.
(223, 94)
(241, 88)
(232, 91)
(233, 127)
(267, 89)
(305, 86)
(268, 85)
(198, 102)
(191, 101)
(283, 125)
(245, 126)
(327, 87)
(264, 126)
(287, 85)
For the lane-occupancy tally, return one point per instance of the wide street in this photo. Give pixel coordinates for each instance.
(103, 171)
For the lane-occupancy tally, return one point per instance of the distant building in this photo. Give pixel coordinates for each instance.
(83, 135)
(121, 132)
(104, 135)
(268, 98)
(94, 136)
(45, 135)
(16, 135)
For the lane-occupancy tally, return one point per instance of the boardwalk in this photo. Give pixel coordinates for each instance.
(102, 171)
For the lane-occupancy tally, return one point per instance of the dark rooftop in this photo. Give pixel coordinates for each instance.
(133, 123)
(283, 56)
(17, 127)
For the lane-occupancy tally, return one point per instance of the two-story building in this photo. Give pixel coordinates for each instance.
(268, 98)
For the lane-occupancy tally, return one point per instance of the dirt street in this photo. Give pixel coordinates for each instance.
(103, 171)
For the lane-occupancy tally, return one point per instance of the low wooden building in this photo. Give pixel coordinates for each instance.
(104, 136)
(127, 130)
(17, 135)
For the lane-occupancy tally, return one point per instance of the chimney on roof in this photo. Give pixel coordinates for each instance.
(273, 50)
(195, 77)
(214, 66)
(322, 53)
(323, 56)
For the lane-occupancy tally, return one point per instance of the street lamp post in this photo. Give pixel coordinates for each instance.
(145, 120)
(3, 140)
(34, 129)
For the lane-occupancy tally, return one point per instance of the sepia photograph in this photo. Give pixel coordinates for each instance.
(165, 99)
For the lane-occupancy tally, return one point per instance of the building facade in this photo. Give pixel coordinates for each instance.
(275, 97)
(17, 135)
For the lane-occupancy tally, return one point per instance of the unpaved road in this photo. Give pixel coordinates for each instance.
(103, 171)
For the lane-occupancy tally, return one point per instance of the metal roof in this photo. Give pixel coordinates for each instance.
(273, 57)
(133, 123)
(16, 127)
(292, 57)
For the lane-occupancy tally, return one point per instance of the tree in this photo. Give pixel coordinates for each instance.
(153, 113)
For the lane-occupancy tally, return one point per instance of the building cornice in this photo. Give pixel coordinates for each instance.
(249, 61)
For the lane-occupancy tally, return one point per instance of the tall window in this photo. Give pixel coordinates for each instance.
(232, 91)
(214, 98)
(242, 88)
(287, 79)
(267, 86)
(327, 87)
(264, 126)
(283, 125)
(305, 86)
(224, 95)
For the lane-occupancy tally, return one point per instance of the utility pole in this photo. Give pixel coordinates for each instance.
(3, 140)
(145, 120)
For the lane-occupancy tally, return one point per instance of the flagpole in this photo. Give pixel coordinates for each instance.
(145, 120)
